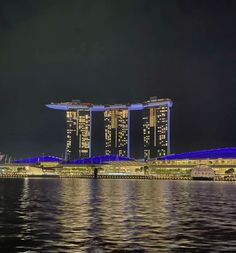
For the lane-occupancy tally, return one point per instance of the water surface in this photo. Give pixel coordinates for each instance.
(87, 215)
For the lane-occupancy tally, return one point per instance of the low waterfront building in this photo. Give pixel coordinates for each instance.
(107, 164)
(50, 165)
(219, 160)
(217, 163)
(201, 172)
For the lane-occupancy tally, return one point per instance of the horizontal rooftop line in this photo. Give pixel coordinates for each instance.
(91, 107)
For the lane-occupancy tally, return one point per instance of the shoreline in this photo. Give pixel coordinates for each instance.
(137, 177)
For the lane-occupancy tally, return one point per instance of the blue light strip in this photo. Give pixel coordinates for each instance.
(203, 154)
(132, 107)
(39, 159)
(98, 159)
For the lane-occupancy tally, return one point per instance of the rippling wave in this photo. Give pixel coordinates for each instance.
(86, 215)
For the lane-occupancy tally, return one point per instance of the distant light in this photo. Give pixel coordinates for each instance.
(116, 174)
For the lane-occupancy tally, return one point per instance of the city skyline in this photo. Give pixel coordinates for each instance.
(155, 127)
(116, 52)
(93, 156)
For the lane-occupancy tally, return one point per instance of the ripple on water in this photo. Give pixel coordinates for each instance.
(83, 215)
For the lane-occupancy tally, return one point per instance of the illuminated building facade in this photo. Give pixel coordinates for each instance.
(78, 138)
(156, 130)
(84, 132)
(156, 125)
(116, 124)
(71, 135)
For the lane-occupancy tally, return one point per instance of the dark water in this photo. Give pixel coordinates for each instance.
(82, 215)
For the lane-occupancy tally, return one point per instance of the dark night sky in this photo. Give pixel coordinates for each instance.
(116, 52)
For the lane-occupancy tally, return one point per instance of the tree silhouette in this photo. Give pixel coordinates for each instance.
(229, 171)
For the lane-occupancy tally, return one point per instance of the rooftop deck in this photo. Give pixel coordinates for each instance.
(76, 105)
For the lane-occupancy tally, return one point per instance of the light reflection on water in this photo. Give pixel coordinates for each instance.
(86, 215)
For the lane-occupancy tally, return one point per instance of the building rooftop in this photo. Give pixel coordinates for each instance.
(76, 104)
(203, 154)
(39, 159)
(99, 159)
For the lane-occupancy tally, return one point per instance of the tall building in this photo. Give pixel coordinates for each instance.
(84, 132)
(78, 134)
(156, 133)
(116, 124)
(156, 127)
(71, 151)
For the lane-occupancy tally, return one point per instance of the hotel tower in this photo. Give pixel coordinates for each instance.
(78, 134)
(116, 123)
(156, 134)
(156, 127)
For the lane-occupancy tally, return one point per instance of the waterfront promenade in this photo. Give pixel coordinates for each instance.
(89, 176)
(215, 165)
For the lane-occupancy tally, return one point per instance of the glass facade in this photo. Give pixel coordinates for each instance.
(77, 134)
(116, 124)
(156, 131)
(71, 135)
(84, 134)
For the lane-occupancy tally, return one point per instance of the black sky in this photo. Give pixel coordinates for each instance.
(116, 52)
